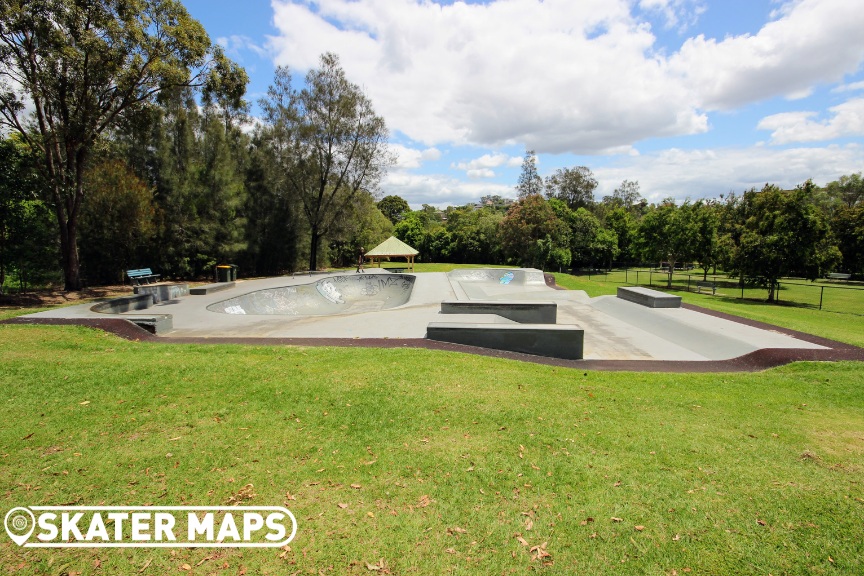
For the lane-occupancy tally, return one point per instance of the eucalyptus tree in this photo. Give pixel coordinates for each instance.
(573, 186)
(70, 71)
(329, 141)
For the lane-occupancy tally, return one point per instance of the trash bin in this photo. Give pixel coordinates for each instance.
(223, 273)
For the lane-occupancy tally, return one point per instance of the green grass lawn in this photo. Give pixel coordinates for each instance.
(460, 464)
(423, 462)
(845, 326)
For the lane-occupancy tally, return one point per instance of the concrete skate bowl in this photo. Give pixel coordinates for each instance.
(498, 283)
(347, 294)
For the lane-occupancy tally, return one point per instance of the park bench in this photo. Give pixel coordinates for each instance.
(703, 284)
(839, 276)
(396, 270)
(144, 274)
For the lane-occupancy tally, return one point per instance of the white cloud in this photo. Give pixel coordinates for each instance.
(708, 173)
(556, 76)
(809, 42)
(488, 161)
(480, 173)
(846, 119)
(678, 14)
(561, 76)
(439, 190)
(853, 87)
(236, 43)
(411, 157)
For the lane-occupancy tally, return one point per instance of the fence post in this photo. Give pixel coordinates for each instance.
(688, 283)
(777, 293)
(625, 276)
(821, 293)
(651, 277)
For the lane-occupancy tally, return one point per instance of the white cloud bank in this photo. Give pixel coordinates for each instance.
(559, 75)
(846, 120)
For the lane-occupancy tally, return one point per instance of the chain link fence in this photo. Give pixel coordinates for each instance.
(842, 296)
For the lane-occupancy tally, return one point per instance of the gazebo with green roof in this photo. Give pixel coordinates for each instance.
(393, 248)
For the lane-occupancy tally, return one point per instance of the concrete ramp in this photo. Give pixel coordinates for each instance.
(345, 294)
(707, 337)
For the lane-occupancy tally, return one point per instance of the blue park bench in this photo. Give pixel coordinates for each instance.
(144, 274)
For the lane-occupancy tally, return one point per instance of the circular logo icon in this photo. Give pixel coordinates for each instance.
(20, 523)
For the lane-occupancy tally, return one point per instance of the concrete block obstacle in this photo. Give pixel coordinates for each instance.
(210, 288)
(648, 297)
(164, 292)
(155, 324)
(124, 304)
(538, 339)
(524, 312)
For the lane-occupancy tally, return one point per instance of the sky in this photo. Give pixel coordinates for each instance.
(691, 98)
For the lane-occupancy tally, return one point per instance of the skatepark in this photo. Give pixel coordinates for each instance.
(380, 305)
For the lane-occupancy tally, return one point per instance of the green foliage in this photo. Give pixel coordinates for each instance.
(530, 182)
(848, 227)
(28, 243)
(533, 236)
(783, 233)
(394, 208)
(117, 222)
(669, 233)
(83, 66)
(330, 144)
(573, 186)
(474, 234)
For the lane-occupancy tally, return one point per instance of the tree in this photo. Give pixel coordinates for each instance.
(707, 248)
(330, 142)
(76, 68)
(529, 180)
(27, 242)
(116, 222)
(394, 208)
(573, 186)
(626, 196)
(783, 232)
(532, 235)
(668, 233)
(848, 190)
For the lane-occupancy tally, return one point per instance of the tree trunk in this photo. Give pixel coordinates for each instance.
(313, 249)
(671, 271)
(71, 264)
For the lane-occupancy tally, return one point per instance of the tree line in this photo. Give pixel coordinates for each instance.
(128, 144)
(556, 223)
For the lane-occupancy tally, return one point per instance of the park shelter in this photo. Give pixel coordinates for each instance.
(393, 248)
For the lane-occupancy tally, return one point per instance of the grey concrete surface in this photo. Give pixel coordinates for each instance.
(555, 341)
(648, 297)
(516, 310)
(614, 329)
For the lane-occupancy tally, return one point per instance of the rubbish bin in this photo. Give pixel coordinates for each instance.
(233, 274)
(223, 273)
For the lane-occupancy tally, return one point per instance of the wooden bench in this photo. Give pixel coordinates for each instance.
(144, 274)
(703, 284)
(839, 276)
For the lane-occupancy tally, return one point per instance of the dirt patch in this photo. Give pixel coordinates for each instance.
(55, 297)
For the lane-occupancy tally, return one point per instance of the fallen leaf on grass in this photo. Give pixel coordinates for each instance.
(614, 519)
(456, 530)
(639, 528)
(343, 506)
(185, 567)
(586, 521)
(356, 486)
(85, 403)
(146, 564)
(424, 501)
(529, 524)
(28, 436)
(761, 522)
(521, 540)
(450, 551)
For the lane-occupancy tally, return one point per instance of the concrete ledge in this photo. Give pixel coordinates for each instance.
(210, 288)
(163, 292)
(648, 297)
(157, 324)
(555, 341)
(517, 310)
(124, 304)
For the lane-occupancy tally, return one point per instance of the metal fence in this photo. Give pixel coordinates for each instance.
(821, 295)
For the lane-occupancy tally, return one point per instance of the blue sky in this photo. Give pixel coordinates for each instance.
(691, 98)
